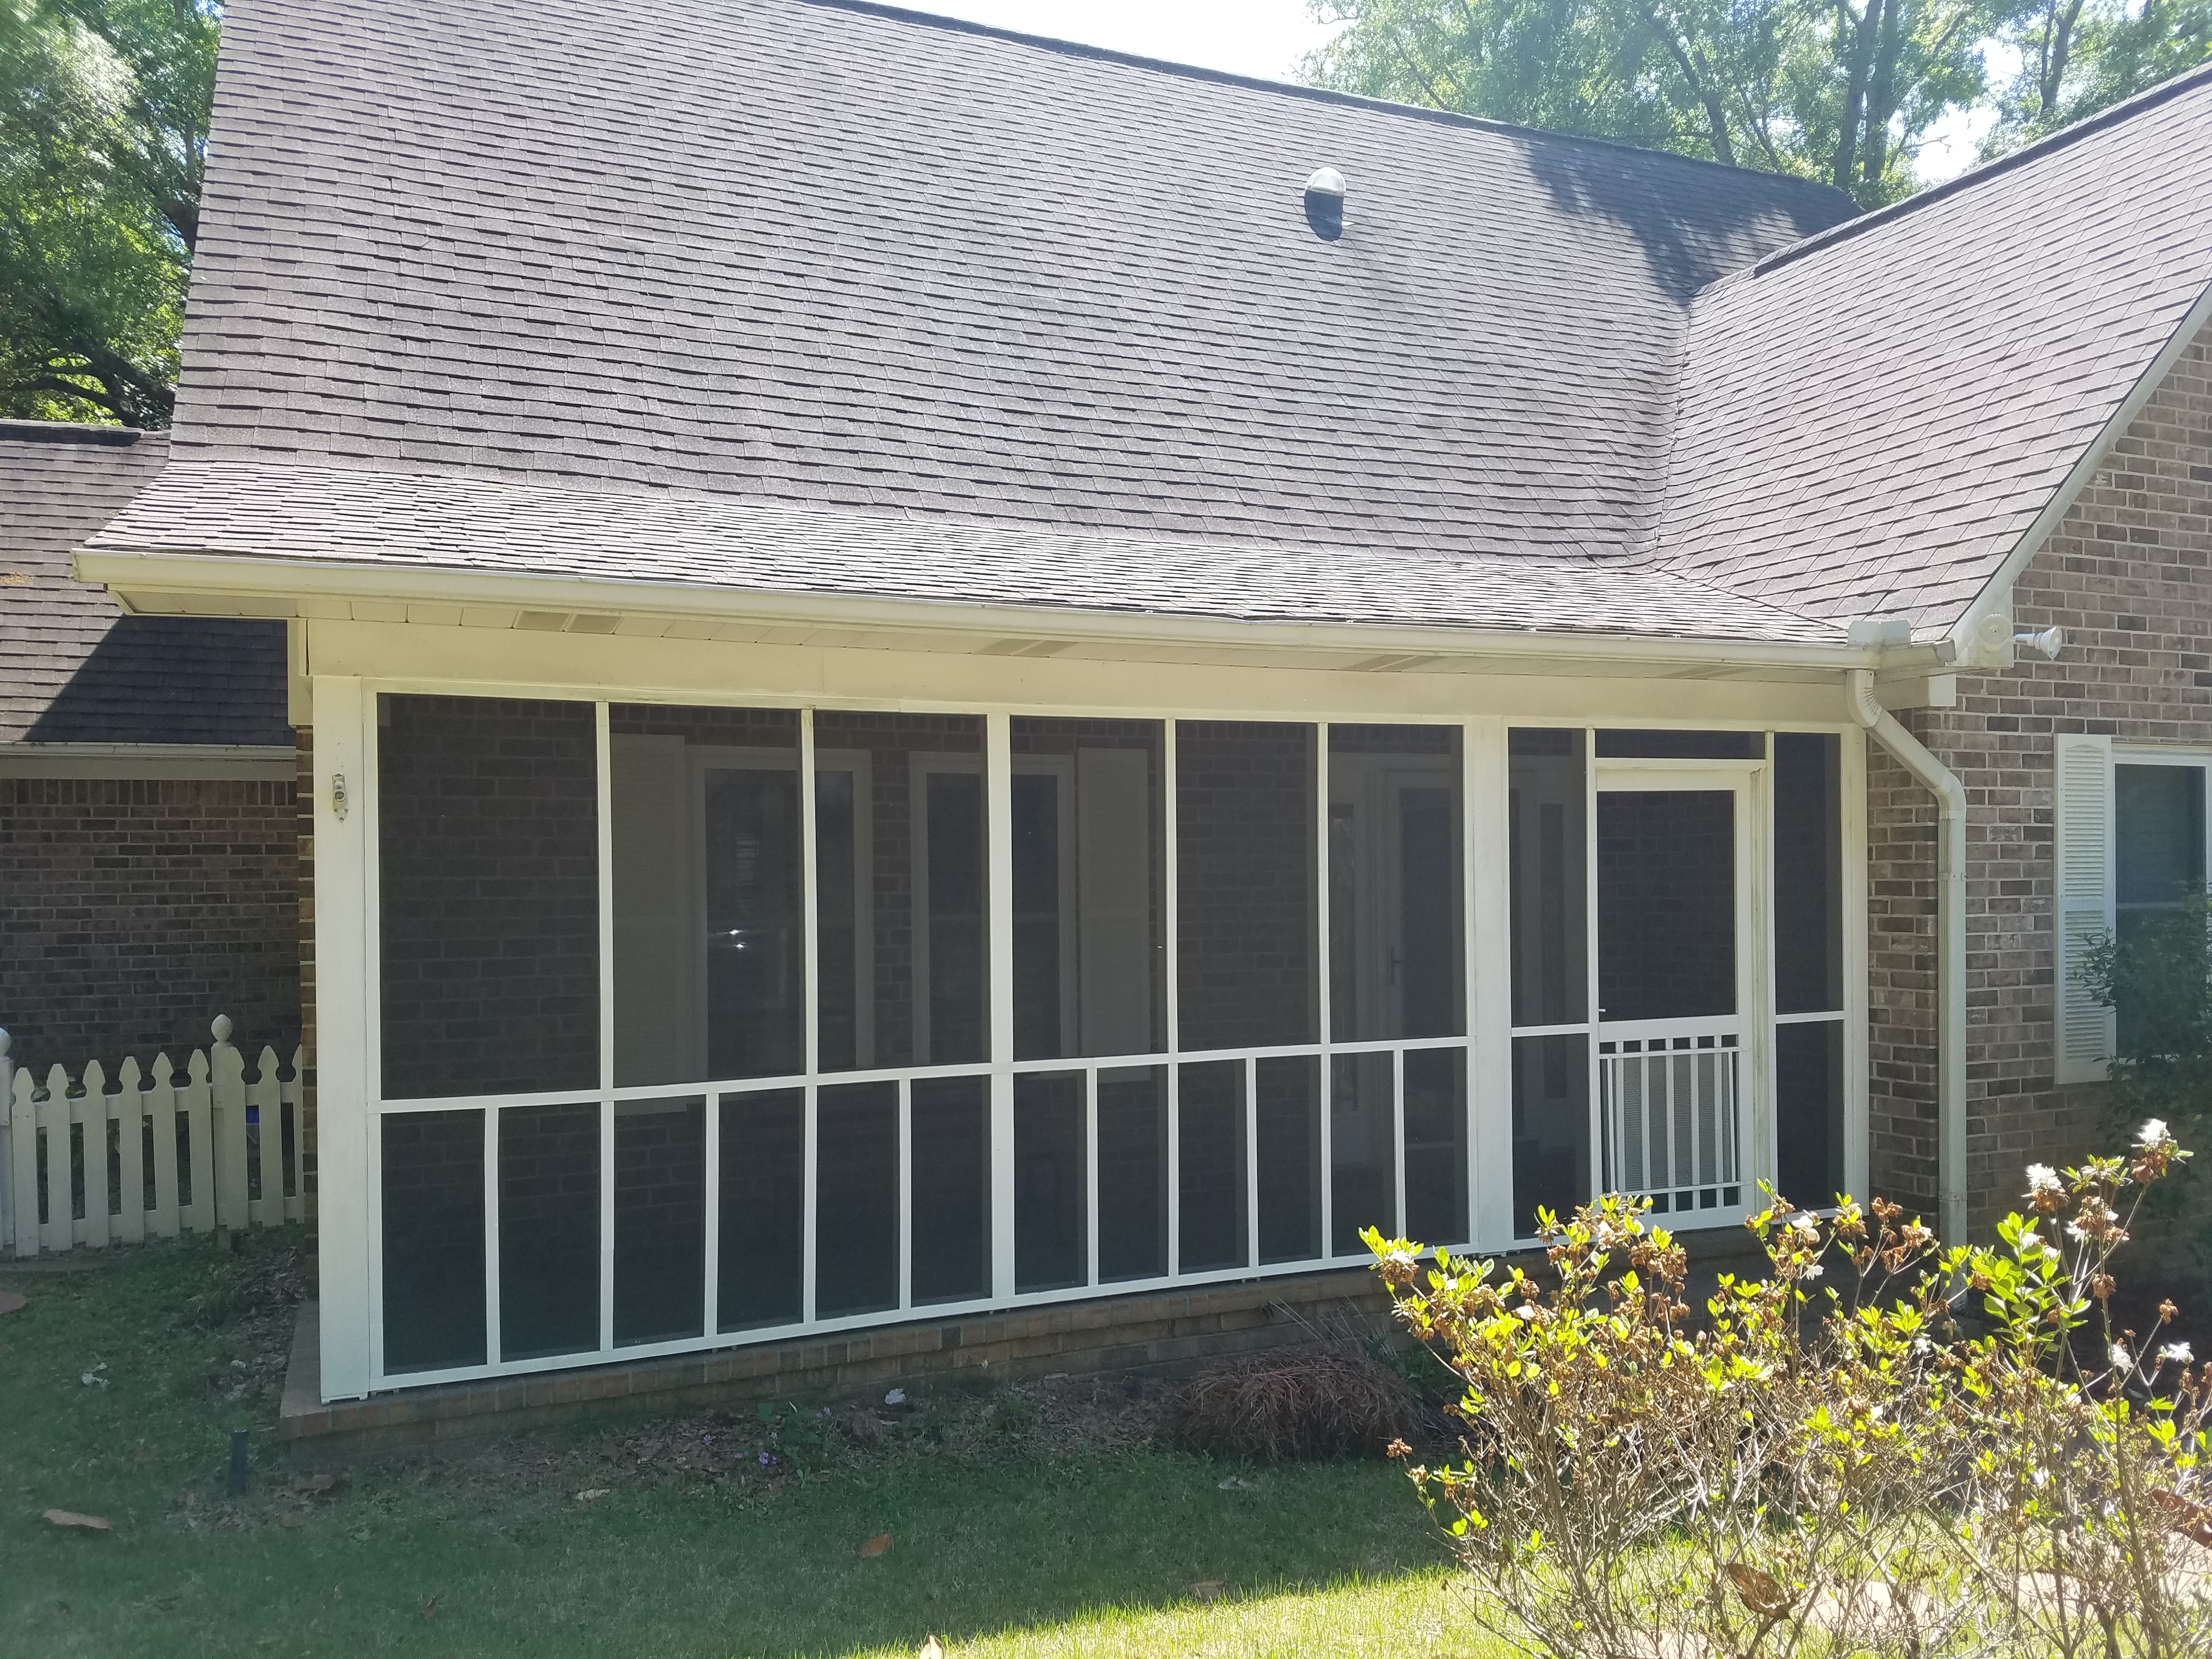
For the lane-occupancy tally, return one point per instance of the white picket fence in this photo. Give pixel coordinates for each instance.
(159, 1154)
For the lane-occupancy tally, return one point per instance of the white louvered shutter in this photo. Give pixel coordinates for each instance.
(2084, 909)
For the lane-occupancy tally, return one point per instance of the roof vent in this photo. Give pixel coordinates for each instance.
(1325, 203)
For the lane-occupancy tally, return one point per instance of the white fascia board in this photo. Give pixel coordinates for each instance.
(273, 579)
(136, 761)
(1996, 597)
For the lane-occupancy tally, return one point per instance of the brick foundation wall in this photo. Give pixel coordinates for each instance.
(2128, 575)
(133, 912)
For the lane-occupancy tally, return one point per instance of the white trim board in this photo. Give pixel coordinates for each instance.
(132, 761)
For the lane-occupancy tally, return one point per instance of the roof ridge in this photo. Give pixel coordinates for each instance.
(2126, 109)
(1299, 89)
(68, 432)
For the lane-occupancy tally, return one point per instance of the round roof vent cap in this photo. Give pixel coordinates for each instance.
(1326, 181)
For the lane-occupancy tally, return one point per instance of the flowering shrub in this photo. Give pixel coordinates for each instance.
(1880, 1447)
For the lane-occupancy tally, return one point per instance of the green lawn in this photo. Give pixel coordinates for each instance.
(1018, 1525)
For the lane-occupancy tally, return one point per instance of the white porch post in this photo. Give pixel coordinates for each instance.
(345, 1033)
(1857, 1132)
(998, 847)
(1487, 785)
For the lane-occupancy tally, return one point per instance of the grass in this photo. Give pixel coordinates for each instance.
(1011, 1532)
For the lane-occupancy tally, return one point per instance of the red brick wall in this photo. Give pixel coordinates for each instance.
(2129, 576)
(132, 913)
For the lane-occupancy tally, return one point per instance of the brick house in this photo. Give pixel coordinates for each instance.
(148, 825)
(1048, 680)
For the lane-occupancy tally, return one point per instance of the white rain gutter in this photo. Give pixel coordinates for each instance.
(1950, 944)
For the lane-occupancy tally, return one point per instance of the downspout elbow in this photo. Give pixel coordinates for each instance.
(1950, 942)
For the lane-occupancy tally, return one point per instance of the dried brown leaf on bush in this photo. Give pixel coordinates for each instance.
(1760, 1591)
(876, 1546)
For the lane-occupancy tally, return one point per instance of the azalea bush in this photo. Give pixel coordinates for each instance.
(1878, 1446)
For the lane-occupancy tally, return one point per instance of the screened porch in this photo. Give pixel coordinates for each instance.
(698, 1025)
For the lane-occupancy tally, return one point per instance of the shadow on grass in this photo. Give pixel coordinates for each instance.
(999, 1545)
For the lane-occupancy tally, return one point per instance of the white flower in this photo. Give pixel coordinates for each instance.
(2177, 1353)
(2121, 1361)
(2042, 1178)
(1806, 1223)
(2073, 1231)
(1813, 1271)
(2030, 1244)
(1526, 1311)
(2153, 1132)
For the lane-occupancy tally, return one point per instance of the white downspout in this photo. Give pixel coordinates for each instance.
(1950, 944)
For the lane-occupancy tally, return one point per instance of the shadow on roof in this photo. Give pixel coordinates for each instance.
(1740, 205)
(174, 679)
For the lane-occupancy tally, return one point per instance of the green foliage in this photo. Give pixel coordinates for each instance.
(1843, 91)
(1953, 1452)
(2078, 57)
(1828, 91)
(103, 140)
(2158, 979)
(2156, 975)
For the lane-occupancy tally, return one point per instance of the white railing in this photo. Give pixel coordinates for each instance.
(1673, 1100)
(159, 1154)
(1245, 1192)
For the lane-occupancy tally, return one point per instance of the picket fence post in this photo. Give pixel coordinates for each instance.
(88, 1112)
(23, 1142)
(162, 1107)
(295, 1200)
(199, 1144)
(129, 1112)
(226, 1074)
(59, 1231)
(7, 1144)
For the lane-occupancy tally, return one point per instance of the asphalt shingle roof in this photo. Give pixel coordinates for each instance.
(1868, 426)
(450, 522)
(73, 668)
(819, 297)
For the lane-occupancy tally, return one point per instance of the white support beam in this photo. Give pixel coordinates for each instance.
(997, 842)
(1489, 902)
(344, 1059)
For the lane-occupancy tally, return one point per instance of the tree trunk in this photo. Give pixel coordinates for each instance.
(1858, 66)
(1881, 94)
(2057, 48)
(1701, 87)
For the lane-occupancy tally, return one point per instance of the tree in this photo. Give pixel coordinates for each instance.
(2076, 58)
(2157, 976)
(103, 143)
(1839, 90)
